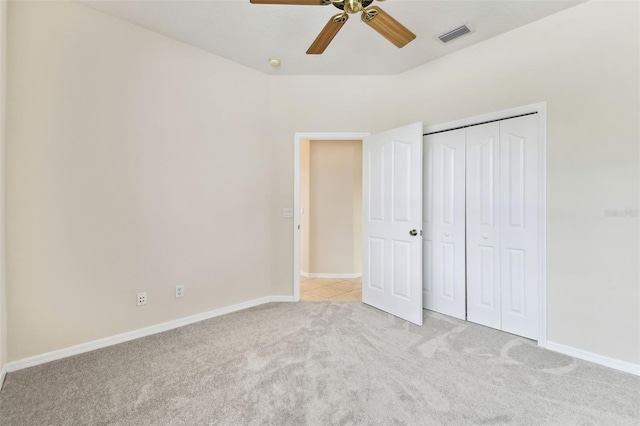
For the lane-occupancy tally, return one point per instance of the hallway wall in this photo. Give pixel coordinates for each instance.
(335, 208)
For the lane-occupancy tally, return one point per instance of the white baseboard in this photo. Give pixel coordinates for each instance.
(627, 367)
(304, 274)
(136, 334)
(331, 275)
(281, 299)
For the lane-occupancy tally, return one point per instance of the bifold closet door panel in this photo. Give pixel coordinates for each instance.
(483, 225)
(444, 223)
(428, 291)
(520, 186)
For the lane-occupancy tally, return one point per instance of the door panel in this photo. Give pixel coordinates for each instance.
(401, 269)
(428, 296)
(401, 172)
(392, 191)
(520, 230)
(487, 278)
(448, 183)
(448, 271)
(375, 248)
(515, 287)
(483, 225)
(428, 290)
(375, 163)
(444, 286)
(514, 190)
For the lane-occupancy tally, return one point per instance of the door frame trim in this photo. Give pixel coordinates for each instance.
(298, 137)
(541, 109)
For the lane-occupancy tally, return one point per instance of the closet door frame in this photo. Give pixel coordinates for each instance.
(541, 110)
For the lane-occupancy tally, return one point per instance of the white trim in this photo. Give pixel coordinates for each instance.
(136, 334)
(541, 109)
(627, 367)
(298, 137)
(3, 133)
(304, 274)
(281, 299)
(332, 275)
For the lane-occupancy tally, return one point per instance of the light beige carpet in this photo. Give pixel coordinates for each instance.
(321, 364)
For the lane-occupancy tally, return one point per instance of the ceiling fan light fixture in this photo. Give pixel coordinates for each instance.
(352, 6)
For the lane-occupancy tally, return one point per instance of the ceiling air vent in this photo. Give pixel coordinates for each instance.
(454, 34)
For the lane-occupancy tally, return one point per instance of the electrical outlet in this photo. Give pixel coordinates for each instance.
(179, 291)
(142, 298)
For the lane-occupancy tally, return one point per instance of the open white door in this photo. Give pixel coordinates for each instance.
(392, 220)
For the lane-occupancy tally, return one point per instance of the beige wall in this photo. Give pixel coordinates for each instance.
(356, 177)
(134, 162)
(3, 86)
(305, 147)
(585, 63)
(334, 222)
(119, 178)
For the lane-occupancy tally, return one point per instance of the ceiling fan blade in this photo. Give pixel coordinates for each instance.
(327, 34)
(387, 26)
(297, 2)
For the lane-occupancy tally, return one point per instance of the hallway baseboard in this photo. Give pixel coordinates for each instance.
(332, 275)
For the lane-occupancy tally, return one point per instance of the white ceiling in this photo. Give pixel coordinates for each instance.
(250, 33)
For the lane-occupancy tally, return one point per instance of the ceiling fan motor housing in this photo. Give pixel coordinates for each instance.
(352, 6)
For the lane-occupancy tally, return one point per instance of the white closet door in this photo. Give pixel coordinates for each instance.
(392, 215)
(483, 225)
(428, 291)
(444, 237)
(519, 224)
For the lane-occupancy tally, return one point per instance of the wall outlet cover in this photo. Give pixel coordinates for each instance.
(142, 298)
(179, 291)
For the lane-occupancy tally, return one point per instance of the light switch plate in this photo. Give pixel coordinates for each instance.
(287, 213)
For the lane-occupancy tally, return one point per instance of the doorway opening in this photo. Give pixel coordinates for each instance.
(331, 221)
(328, 216)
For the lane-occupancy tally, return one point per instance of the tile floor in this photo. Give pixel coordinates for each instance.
(330, 290)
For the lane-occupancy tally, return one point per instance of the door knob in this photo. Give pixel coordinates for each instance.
(413, 232)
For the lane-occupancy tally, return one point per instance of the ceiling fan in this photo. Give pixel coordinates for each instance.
(373, 16)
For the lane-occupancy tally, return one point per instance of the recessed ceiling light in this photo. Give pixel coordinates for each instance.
(274, 62)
